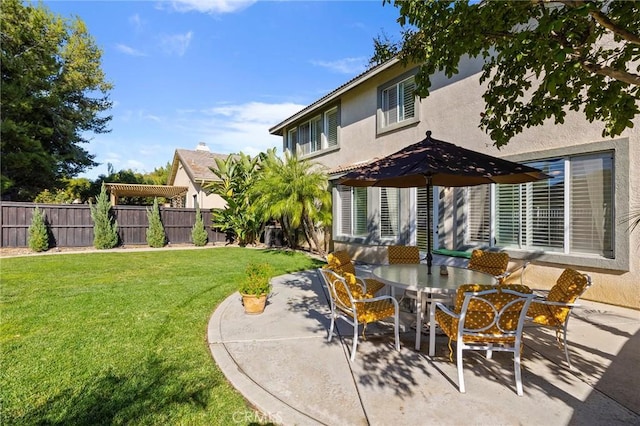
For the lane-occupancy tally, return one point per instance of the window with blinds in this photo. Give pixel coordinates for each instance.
(331, 127)
(591, 209)
(478, 215)
(360, 213)
(316, 134)
(537, 215)
(398, 102)
(422, 212)
(353, 211)
(389, 212)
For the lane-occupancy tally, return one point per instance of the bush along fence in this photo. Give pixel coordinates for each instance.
(70, 225)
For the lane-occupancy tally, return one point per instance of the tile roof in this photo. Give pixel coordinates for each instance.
(196, 164)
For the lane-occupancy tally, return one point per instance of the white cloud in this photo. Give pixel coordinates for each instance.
(137, 22)
(235, 128)
(210, 6)
(345, 65)
(176, 44)
(128, 50)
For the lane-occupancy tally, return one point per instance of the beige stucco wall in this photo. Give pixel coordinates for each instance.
(452, 113)
(205, 201)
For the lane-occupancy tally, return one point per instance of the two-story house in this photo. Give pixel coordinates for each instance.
(580, 218)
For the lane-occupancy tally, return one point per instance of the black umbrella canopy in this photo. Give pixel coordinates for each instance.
(434, 162)
(445, 163)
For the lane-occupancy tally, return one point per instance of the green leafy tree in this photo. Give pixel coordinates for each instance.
(38, 233)
(541, 58)
(76, 190)
(53, 93)
(294, 192)
(159, 175)
(155, 232)
(384, 49)
(105, 228)
(198, 232)
(240, 218)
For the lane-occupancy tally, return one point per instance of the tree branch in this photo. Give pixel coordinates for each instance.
(624, 76)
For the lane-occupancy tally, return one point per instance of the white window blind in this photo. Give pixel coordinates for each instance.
(360, 213)
(389, 212)
(304, 138)
(331, 127)
(398, 102)
(344, 193)
(292, 140)
(316, 134)
(478, 228)
(591, 210)
(422, 226)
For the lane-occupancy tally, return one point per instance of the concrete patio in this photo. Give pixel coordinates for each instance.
(283, 365)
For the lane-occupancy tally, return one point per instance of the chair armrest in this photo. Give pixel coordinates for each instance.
(444, 308)
(378, 298)
(552, 303)
(506, 274)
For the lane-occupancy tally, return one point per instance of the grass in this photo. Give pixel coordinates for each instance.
(119, 338)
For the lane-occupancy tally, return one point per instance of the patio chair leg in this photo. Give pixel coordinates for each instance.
(566, 347)
(355, 342)
(333, 321)
(396, 319)
(460, 373)
(489, 352)
(432, 329)
(518, 373)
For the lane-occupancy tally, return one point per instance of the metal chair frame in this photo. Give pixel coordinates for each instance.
(349, 311)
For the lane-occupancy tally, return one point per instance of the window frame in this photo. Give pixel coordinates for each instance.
(381, 122)
(620, 165)
(315, 132)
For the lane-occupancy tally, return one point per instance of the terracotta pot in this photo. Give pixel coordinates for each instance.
(254, 304)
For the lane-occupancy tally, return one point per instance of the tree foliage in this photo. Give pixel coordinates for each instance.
(53, 92)
(38, 239)
(294, 192)
(541, 58)
(105, 228)
(383, 49)
(155, 232)
(240, 219)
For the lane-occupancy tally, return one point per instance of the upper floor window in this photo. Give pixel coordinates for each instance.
(316, 134)
(398, 102)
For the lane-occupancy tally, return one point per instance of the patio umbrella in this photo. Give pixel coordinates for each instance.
(434, 162)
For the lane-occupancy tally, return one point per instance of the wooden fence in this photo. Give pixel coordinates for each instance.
(70, 225)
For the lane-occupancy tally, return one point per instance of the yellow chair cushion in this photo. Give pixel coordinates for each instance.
(374, 311)
(403, 254)
(340, 262)
(494, 263)
(569, 286)
(479, 313)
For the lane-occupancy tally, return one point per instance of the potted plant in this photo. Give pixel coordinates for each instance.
(255, 287)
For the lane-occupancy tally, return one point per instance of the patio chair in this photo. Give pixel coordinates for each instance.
(340, 262)
(356, 311)
(555, 309)
(495, 263)
(487, 318)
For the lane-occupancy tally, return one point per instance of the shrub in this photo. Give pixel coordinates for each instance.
(38, 233)
(155, 232)
(105, 228)
(257, 279)
(198, 233)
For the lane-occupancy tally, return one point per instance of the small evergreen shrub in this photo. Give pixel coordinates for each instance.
(155, 231)
(198, 233)
(105, 228)
(38, 233)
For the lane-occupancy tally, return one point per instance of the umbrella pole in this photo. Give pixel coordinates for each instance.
(429, 229)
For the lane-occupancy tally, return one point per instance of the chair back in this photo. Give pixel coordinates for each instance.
(340, 262)
(494, 315)
(403, 254)
(490, 262)
(339, 291)
(568, 288)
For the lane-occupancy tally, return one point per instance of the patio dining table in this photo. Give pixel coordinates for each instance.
(415, 277)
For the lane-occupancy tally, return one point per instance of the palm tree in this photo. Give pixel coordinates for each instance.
(294, 192)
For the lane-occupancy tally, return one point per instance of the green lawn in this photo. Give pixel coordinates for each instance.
(119, 338)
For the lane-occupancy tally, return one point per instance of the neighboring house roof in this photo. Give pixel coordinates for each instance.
(354, 82)
(196, 164)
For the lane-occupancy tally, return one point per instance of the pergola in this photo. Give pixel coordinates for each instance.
(137, 190)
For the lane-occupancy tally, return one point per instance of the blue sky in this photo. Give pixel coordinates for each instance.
(219, 71)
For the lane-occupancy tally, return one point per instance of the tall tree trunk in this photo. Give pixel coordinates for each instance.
(314, 236)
